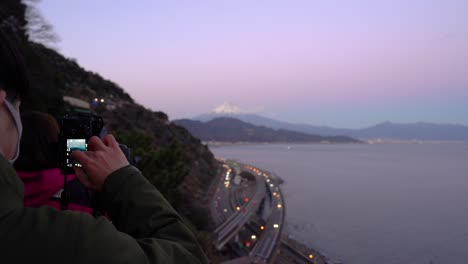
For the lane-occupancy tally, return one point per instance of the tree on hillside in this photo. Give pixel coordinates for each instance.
(38, 29)
(163, 165)
(12, 16)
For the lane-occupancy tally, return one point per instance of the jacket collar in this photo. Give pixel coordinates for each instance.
(11, 187)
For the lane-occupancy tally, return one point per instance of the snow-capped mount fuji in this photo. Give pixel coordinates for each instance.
(227, 109)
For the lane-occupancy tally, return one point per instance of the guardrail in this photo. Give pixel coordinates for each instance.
(213, 191)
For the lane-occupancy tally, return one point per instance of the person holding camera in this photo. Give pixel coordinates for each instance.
(145, 228)
(39, 168)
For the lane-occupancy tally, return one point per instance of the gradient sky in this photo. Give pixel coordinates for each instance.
(339, 63)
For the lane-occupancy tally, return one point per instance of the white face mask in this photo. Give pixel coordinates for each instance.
(19, 126)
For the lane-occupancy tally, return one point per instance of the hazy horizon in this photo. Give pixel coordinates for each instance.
(246, 112)
(333, 63)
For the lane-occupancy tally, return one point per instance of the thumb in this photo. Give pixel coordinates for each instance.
(83, 178)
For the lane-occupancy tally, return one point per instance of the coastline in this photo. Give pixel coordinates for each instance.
(216, 144)
(247, 143)
(412, 141)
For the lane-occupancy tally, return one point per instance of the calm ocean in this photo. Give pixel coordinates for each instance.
(372, 204)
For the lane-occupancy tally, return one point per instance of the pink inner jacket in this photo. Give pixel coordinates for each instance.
(41, 186)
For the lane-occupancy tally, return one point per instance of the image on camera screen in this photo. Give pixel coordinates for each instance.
(75, 145)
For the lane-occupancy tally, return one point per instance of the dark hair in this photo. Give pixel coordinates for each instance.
(14, 77)
(39, 143)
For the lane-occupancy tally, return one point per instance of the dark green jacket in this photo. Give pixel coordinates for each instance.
(145, 228)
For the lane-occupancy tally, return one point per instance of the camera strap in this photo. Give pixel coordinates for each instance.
(64, 197)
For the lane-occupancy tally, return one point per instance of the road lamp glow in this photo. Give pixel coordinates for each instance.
(279, 206)
(262, 228)
(311, 256)
(238, 208)
(275, 226)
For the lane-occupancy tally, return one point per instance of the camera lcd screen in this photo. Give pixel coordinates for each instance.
(74, 145)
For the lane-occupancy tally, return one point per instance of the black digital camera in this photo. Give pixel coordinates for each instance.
(77, 129)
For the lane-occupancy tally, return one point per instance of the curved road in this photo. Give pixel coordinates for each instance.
(233, 212)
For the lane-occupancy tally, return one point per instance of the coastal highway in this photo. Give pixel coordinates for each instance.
(271, 236)
(236, 205)
(233, 224)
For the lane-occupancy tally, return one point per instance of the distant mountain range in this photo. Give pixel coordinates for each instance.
(387, 130)
(227, 129)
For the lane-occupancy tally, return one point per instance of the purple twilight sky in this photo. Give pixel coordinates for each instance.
(339, 63)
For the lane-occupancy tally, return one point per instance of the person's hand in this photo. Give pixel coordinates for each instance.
(101, 159)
